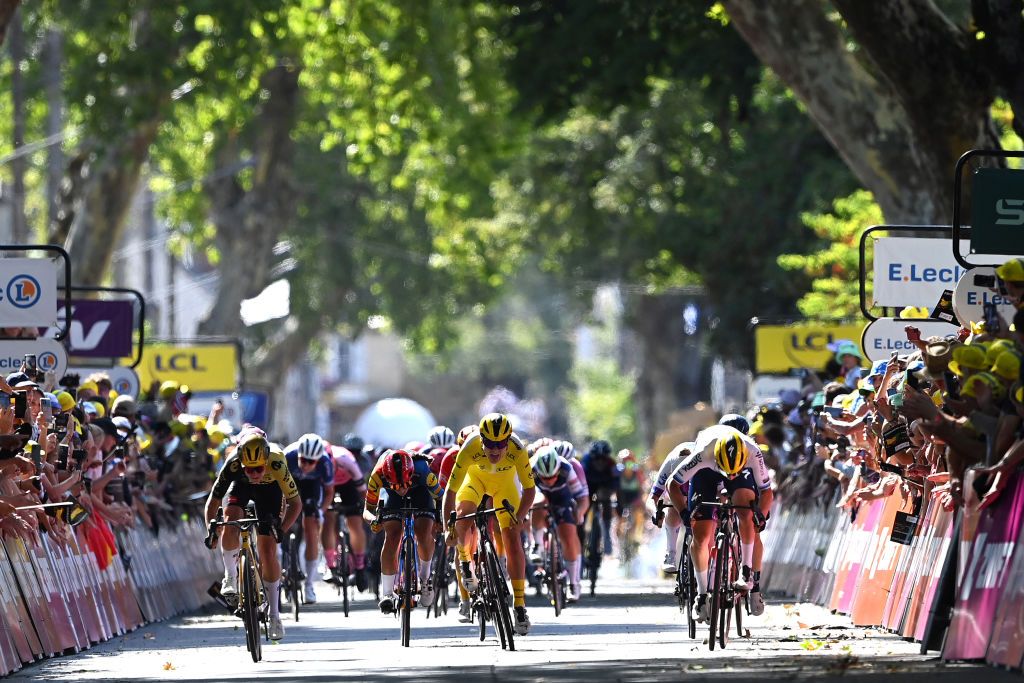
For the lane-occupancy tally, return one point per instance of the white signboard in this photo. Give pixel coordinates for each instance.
(202, 402)
(50, 355)
(885, 335)
(28, 292)
(914, 271)
(969, 299)
(125, 381)
(765, 388)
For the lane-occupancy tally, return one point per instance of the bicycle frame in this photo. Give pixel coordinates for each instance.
(724, 597)
(252, 601)
(554, 577)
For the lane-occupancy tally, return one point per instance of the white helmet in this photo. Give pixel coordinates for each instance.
(310, 447)
(564, 448)
(546, 462)
(441, 437)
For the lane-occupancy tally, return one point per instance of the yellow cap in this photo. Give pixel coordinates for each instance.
(101, 410)
(66, 401)
(1007, 366)
(970, 357)
(915, 313)
(88, 386)
(168, 389)
(1012, 270)
(996, 348)
(974, 381)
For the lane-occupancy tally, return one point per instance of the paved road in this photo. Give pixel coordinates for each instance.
(630, 631)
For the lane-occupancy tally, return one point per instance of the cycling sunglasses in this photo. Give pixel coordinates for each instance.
(255, 470)
(494, 444)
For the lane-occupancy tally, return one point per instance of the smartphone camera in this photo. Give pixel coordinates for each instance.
(20, 404)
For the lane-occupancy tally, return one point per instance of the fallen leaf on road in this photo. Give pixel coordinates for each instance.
(810, 645)
(168, 666)
(801, 624)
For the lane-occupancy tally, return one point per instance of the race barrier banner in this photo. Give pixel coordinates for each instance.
(94, 583)
(860, 567)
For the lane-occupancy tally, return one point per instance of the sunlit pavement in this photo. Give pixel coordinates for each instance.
(630, 631)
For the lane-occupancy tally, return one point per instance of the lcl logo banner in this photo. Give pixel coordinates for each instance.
(207, 367)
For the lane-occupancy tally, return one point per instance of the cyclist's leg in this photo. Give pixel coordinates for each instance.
(230, 543)
(538, 522)
(311, 535)
(704, 486)
(268, 501)
(352, 499)
(570, 547)
(516, 558)
(467, 500)
(671, 524)
(742, 492)
(424, 527)
(606, 520)
(329, 536)
(582, 507)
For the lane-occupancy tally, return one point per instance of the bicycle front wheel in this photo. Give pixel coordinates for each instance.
(503, 618)
(554, 575)
(250, 606)
(343, 573)
(408, 588)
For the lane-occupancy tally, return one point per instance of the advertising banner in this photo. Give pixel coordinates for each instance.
(883, 336)
(781, 348)
(987, 554)
(28, 292)
(972, 293)
(997, 211)
(207, 367)
(98, 329)
(914, 271)
(50, 355)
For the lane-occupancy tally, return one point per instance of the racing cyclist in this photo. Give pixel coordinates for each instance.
(723, 457)
(487, 465)
(259, 473)
(406, 481)
(671, 520)
(629, 501)
(349, 494)
(557, 482)
(313, 470)
(603, 481)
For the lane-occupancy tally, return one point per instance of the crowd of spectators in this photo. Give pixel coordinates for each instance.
(75, 455)
(912, 423)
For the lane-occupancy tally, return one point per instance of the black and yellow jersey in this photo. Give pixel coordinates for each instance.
(276, 473)
(472, 459)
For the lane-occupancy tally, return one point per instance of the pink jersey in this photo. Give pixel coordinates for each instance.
(346, 468)
(581, 475)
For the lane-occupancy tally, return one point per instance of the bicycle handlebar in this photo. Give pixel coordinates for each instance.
(505, 507)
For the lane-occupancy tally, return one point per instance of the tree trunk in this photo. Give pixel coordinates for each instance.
(53, 58)
(101, 195)
(7, 9)
(657, 322)
(269, 363)
(249, 222)
(19, 227)
(893, 134)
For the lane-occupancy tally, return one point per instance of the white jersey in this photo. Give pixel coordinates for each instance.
(703, 457)
(672, 461)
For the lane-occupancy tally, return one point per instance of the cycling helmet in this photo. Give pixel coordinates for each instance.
(253, 450)
(441, 437)
(495, 427)
(564, 449)
(736, 422)
(546, 462)
(465, 433)
(414, 446)
(397, 469)
(731, 454)
(310, 447)
(625, 456)
(353, 442)
(601, 449)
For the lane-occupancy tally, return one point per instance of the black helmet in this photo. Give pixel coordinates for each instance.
(601, 449)
(353, 442)
(736, 421)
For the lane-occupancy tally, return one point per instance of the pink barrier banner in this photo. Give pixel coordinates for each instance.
(924, 591)
(857, 550)
(984, 570)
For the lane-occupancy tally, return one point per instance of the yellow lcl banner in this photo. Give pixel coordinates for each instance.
(207, 367)
(781, 348)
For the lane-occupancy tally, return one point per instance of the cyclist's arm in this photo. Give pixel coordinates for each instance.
(525, 472)
(373, 487)
(675, 494)
(462, 460)
(220, 487)
(690, 465)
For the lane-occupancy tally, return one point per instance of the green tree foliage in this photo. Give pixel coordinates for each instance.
(833, 268)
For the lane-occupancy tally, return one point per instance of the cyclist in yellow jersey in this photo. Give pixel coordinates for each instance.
(493, 463)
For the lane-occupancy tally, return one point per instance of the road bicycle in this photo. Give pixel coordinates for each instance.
(492, 600)
(441, 576)
(292, 575)
(341, 572)
(725, 598)
(407, 584)
(552, 574)
(252, 598)
(686, 580)
(595, 538)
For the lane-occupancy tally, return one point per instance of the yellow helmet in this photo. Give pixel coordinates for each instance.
(731, 454)
(495, 427)
(253, 451)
